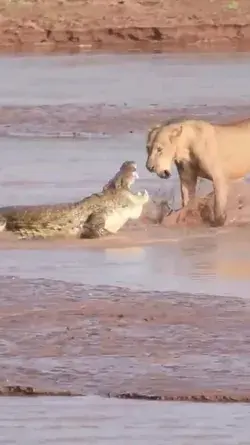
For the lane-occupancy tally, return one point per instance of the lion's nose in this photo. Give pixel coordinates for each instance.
(150, 168)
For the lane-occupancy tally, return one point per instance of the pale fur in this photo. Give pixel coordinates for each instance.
(219, 153)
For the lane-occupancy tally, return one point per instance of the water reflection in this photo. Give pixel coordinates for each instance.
(186, 264)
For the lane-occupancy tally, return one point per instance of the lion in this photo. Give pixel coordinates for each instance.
(200, 149)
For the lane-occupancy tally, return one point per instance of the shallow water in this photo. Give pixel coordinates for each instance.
(92, 420)
(46, 170)
(205, 264)
(137, 80)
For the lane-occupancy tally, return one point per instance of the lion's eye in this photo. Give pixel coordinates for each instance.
(159, 149)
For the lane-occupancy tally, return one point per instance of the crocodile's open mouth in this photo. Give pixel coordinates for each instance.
(124, 178)
(134, 175)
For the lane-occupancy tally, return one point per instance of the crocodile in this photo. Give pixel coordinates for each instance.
(94, 216)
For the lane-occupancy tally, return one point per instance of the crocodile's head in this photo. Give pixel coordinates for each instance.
(116, 204)
(126, 204)
(124, 178)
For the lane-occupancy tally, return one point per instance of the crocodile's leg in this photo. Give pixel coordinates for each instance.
(94, 227)
(34, 234)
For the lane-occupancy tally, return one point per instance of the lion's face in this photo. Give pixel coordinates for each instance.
(162, 151)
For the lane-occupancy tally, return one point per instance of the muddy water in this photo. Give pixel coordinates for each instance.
(48, 171)
(138, 80)
(96, 421)
(50, 99)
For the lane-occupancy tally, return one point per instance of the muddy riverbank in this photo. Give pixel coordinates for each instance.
(123, 25)
(108, 340)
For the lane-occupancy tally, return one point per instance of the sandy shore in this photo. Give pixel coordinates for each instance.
(124, 25)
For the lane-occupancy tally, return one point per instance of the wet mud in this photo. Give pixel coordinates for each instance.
(201, 210)
(102, 120)
(213, 397)
(117, 342)
(30, 391)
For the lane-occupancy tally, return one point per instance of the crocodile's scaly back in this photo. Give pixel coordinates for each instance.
(114, 203)
(47, 220)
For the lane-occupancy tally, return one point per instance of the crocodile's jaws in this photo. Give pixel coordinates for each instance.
(94, 216)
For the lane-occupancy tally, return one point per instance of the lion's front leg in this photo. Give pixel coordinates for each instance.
(212, 169)
(188, 182)
(220, 199)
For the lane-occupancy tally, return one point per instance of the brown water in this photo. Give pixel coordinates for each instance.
(101, 99)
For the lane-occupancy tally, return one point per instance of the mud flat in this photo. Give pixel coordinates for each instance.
(124, 25)
(112, 341)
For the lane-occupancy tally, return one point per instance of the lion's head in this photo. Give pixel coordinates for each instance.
(162, 144)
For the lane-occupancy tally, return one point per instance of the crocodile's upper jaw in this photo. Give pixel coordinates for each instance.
(133, 178)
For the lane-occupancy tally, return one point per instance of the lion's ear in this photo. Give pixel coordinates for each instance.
(152, 132)
(153, 128)
(175, 133)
